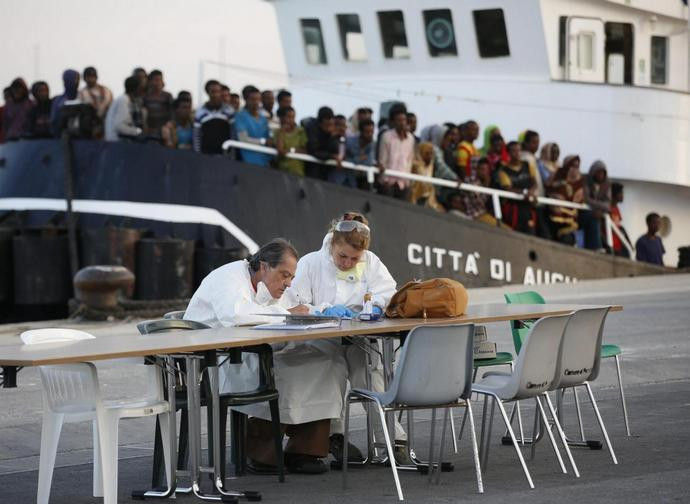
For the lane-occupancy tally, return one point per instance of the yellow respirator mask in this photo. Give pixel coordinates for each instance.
(352, 275)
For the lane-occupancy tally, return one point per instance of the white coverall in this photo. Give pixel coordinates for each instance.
(308, 379)
(319, 285)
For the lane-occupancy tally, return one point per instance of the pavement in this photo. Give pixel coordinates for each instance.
(654, 464)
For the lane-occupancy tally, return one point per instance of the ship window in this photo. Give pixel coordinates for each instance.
(351, 38)
(619, 53)
(659, 59)
(393, 35)
(585, 50)
(440, 35)
(313, 42)
(492, 39)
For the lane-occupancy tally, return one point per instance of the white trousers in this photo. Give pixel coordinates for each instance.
(356, 359)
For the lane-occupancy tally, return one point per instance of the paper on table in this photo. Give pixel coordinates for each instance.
(297, 327)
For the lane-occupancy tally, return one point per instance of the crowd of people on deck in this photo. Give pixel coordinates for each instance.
(146, 112)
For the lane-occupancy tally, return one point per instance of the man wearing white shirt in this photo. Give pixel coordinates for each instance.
(309, 381)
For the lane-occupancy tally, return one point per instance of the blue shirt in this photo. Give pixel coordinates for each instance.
(254, 127)
(650, 250)
(353, 151)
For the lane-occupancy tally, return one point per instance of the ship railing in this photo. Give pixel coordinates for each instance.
(496, 194)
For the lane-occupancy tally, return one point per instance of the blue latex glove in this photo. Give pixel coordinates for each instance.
(338, 311)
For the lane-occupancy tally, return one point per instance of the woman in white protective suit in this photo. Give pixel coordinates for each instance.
(333, 281)
(307, 378)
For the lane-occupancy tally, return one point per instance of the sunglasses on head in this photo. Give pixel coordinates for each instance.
(347, 226)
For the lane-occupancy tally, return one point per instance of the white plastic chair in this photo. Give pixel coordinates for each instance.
(535, 374)
(434, 371)
(580, 358)
(71, 393)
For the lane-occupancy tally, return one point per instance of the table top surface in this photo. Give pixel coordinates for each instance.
(132, 344)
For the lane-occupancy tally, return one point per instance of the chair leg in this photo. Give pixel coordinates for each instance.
(277, 438)
(475, 451)
(515, 443)
(550, 434)
(601, 423)
(50, 434)
(561, 433)
(346, 440)
(97, 472)
(579, 415)
(389, 448)
(431, 444)
(108, 435)
(620, 388)
(446, 413)
(452, 431)
(535, 433)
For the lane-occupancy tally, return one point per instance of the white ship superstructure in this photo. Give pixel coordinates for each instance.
(608, 79)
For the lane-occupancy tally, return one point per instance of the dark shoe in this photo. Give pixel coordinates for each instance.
(304, 464)
(401, 455)
(336, 446)
(255, 467)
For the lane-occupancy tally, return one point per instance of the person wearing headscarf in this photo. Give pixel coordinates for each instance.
(70, 79)
(424, 193)
(16, 111)
(38, 123)
(548, 161)
(565, 184)
(597, 195)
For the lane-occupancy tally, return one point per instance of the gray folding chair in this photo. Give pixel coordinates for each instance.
(535, 373)
(580, 358)
(434, 371)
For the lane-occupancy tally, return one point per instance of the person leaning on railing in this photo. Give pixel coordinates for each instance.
(518, 176)
(289, 138)
(566, 184)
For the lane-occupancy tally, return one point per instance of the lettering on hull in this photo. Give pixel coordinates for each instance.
(468, 263)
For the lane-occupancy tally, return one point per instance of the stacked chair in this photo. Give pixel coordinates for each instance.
(519, 330)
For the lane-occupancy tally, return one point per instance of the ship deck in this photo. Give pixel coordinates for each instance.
(654, 463)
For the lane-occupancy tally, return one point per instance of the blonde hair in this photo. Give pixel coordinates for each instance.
(355, 238)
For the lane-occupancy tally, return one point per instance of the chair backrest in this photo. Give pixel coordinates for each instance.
(580, 352)
(435, 366)
(537, 362)
(177, 315)
(163, 325)
(70, 388)
(67, 388)
(520, 328)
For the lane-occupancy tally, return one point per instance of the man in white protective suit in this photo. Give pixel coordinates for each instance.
(334, 281)
(309, 380)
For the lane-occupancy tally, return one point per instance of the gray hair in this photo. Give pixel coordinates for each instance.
(272, 253)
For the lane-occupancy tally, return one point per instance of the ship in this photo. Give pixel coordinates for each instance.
(587, 74)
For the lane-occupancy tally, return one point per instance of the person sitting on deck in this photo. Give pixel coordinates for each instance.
(309, 380)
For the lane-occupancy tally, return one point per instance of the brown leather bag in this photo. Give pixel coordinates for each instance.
(438, 297)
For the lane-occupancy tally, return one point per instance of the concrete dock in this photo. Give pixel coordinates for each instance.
(654, 464)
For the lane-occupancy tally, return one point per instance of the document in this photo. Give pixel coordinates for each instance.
(297, 327)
